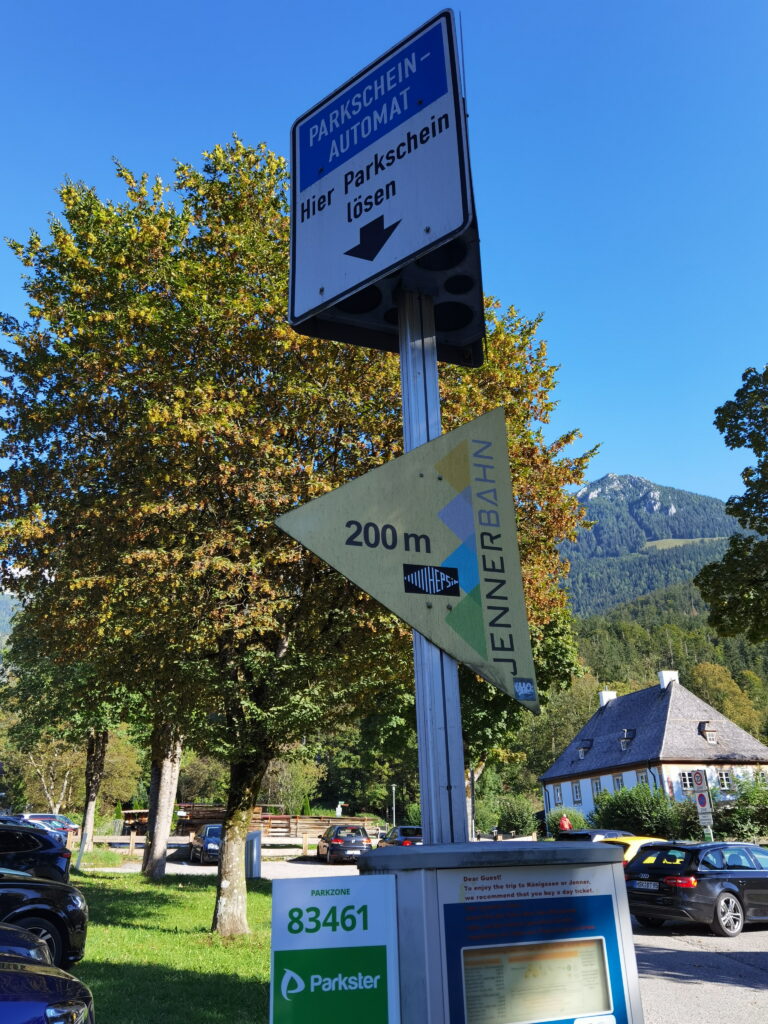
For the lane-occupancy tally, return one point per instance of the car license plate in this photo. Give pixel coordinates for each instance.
(353, 853)
(645, 885)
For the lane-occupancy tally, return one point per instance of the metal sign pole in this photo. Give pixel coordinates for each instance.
(438, 712)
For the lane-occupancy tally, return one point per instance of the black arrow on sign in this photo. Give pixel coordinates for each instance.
(373, 237)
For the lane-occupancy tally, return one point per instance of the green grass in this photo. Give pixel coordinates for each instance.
(101, 858)
(151, 959)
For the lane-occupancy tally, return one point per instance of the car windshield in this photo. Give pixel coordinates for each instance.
(213, 832)
(347, 832)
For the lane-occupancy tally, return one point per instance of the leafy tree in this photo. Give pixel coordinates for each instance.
(159, 416)
(517, 815)
(736, 587)
(715, 685)
(291, 780)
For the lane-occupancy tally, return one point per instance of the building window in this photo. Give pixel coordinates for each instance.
(618, 783)
(597, 787)
(642, 778)
(576, 792)
(711, 736)
(686, 781)
(724, 780)
(558, 792)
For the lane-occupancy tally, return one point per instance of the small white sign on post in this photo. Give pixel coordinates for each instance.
(334, 950)
(379, 171)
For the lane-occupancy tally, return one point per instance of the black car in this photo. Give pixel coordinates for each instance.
(37, 993)
(206, 844)
(41, 853)
(53, 911)
(23, 945)
(403, 835)
(342, 842)
(723, 885)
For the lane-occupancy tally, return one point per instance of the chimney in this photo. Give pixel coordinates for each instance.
(665, 678)
(606, 696)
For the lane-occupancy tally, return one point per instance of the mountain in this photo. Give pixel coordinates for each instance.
(645, 537)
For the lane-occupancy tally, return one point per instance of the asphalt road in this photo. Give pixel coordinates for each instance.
(689, 976)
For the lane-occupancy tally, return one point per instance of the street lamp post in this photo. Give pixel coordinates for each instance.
(394, 819)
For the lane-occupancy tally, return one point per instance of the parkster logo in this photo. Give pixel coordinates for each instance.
(291, 984)
(320, 984)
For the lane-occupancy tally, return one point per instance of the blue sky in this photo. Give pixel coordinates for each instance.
(619, 153)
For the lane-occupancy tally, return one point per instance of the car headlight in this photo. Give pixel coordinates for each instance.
(74, 1011)
(211, 846)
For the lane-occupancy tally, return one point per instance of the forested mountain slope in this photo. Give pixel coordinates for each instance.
(664, 630)
(646, 537)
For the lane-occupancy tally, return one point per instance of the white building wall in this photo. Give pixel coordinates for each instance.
(608, 783)
(721, 778)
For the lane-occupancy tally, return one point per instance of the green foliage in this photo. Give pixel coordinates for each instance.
(576, 818)
(669, 629)
(411, 814)
(516, 814)
(646, 812)
(736, 587)
(746, 817)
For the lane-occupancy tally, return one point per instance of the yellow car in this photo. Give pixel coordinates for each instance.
(631, 844)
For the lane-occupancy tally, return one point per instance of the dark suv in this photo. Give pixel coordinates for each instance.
(25, 848)
(722, 885)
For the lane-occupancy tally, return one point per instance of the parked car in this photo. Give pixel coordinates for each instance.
(32, 989)
(206, 844)
(32, 849)
(53, 911)
(589, 835)
(23, 945)
(342, 842)
(403, 835)
(722, 885)
(59, 822)
(631, 844)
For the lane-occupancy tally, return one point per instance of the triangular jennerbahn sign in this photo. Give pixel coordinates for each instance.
(432, 536)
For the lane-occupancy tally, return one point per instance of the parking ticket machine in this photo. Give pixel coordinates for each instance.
(513, 933)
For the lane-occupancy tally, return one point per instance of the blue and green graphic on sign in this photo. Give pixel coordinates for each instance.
(432, 536)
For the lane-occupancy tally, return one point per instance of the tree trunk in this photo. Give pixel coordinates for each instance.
(154, 789)
(95, 756)
(168, 749)
(229, 915)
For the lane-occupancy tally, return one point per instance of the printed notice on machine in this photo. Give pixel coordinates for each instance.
(536, 982)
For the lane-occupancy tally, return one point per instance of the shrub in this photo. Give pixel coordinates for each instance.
(486, 814)
(646, 812)
(746, 817)
(516, 814)
(575, 817)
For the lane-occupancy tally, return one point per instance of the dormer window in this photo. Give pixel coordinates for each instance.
(585, 746)
(709, 731)
(627, 735)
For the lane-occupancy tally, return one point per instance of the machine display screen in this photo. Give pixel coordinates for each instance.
(536, 982)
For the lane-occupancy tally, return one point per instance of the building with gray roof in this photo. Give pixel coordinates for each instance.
(658, 736)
